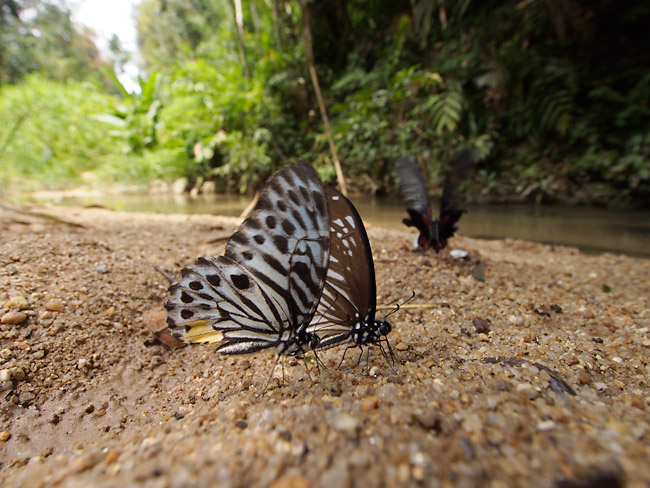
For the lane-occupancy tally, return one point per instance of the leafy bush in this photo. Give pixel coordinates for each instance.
(49, 132)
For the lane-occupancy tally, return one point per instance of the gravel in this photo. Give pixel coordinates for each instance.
(520, 364)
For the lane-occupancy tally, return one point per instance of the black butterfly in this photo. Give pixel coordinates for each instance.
(433, 232)
(264, 291)
(347, 308)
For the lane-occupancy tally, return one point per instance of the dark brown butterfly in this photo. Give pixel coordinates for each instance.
(347, 308)
(433, 232)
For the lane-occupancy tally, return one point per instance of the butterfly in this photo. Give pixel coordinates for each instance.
(433, 232)
(347, 308)
(263, 292)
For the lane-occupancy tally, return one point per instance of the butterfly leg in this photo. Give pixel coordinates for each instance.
(304, 359)
(343, 357)
(391, 362)
(268, 382)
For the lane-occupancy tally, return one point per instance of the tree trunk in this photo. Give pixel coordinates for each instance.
(309, 54)
(239, 28)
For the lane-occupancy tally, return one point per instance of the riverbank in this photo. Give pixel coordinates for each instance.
(523, 365)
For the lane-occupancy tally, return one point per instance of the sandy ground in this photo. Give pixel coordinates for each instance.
(536, 376)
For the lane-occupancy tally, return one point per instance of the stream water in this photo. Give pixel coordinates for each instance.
(592, 230)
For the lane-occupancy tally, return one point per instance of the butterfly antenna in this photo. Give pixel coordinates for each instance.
(164, 273)
(397, 307)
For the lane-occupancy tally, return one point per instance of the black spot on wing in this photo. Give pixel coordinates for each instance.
(281, 243)
(320, 203)
(298, 218)
(288, 227)
(186, 297)
(187, 314)
(294, 197)
(259, 238)
(271, 222)
(282, 206)
(195, 285)
(214, 280)
(241, 281)
(304, 192)
(247, 255)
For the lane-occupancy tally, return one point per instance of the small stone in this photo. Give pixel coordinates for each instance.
(110, 312)
(101, 267)
(241, 424)
(545, 426)
(373, 371)
(514, 320)
(14, 318)
(111, 456)
(86, 461)
(27, 396)
(153, 320)
(4, 436)
(17, 373)
(600, 385)
(369, 403)
(343, 422)
(179, 415)
(597, 340)
(6, 353)
(527, 390)
(54, 306)
(90, 408)
(294, 481)
(5, 375)
(402, 346)
(18, 301)
(428, 420)
(482, 326)
(584, 378)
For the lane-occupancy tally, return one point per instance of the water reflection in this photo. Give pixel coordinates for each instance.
(592, 230)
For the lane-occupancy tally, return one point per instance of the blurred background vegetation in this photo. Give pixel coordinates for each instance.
(552, 94)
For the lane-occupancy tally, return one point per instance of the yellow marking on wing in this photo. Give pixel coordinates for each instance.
(200, 331)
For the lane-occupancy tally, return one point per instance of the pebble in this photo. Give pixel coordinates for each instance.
(545, 426)
(343, 422)
(5, 375)
(14, 318)
(101, 267)
(54, 306)
(402, 346)
(293, 481)
(111, 456)
(17, 301)
(6, 353)
(428, 420)
(527, 390)
(4, 436)
(86, 461)
(17, 373)
(369, 403)
(514, 320)
(27, 396)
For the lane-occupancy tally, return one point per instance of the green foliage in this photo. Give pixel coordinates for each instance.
(50, 134)
(552, 95)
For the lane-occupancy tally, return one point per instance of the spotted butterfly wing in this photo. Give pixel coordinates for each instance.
(346, 312)
(264, 291)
